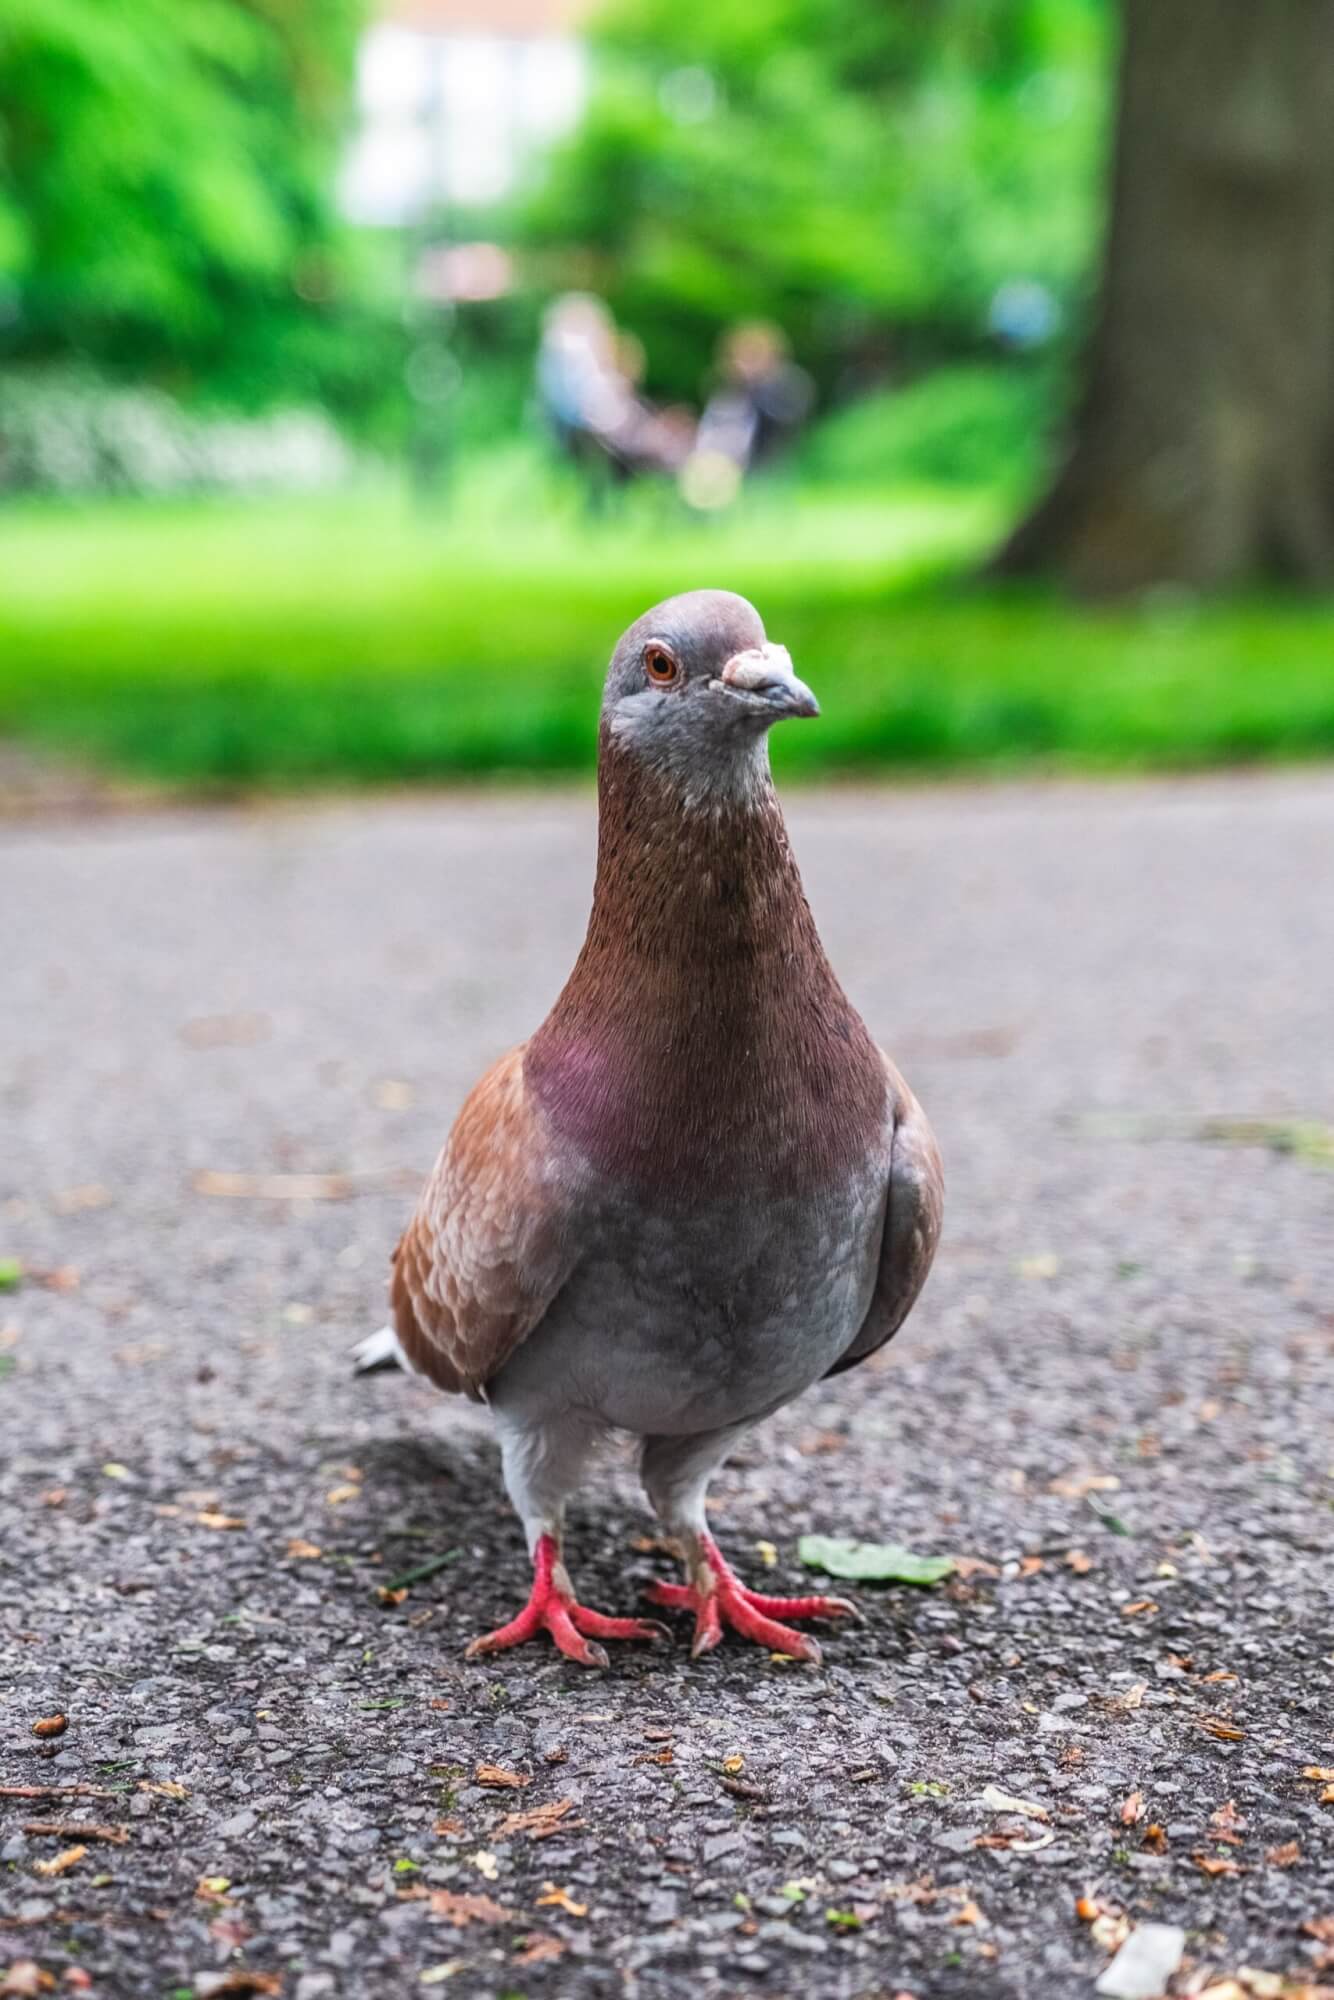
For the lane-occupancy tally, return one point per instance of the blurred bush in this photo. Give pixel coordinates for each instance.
(66, 431)
(895, 184)
(166, 200)
(977, 426)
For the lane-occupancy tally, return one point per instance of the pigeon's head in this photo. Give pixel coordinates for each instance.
(693, 689)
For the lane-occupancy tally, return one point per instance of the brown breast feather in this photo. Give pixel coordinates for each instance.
(913, 1209)
(488, 1248)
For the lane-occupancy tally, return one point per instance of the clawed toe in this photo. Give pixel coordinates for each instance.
(573, 1628)
(723, 1602)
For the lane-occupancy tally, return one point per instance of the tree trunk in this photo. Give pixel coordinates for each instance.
(1203, 449)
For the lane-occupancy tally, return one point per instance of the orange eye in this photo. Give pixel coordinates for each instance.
(659, 665)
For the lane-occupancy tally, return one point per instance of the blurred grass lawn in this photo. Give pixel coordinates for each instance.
(362, 639)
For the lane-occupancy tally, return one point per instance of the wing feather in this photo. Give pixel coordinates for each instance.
(913, 1209)
(490, 1244)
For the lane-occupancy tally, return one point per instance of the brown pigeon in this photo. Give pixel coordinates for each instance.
(699, 1187)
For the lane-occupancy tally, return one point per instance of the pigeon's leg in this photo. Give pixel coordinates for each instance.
(543, 1465)
(676, 1473)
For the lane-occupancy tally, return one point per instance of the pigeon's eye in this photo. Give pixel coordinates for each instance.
(660, 666)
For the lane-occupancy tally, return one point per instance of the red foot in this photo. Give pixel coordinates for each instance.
(551, 1608)
(748, 1612)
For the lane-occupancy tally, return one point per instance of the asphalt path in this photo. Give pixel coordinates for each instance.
(230, 1043)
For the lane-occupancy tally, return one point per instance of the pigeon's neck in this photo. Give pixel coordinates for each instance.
(702, 1039)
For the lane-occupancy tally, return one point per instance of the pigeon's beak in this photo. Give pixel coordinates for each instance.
(764, 673)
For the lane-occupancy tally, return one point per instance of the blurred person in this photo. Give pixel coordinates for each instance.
(760, 403)
(588, 376)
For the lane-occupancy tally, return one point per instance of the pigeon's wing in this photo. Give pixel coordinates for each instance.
(913, 1208)
(492, 1242)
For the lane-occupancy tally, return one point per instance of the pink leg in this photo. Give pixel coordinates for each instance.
(552, 1608)
(718, 1598)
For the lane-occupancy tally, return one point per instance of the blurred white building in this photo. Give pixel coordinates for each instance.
(453, 96)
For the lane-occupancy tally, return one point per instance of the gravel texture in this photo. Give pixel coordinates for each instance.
(1114, 1400)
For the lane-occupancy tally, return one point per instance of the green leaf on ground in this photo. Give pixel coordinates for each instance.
(872, 1562)
(11, 1274)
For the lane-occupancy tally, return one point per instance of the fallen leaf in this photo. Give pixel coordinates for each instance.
(1226, 1823)
(1155, 1837)
(1078, 1561)
(967, 1567)
(733, 1764)
(1217, 1864)
(1285, 1856)
(1319, 1774)
(75, 1200)
(1078, 1485)
(1225, 1731)
(213, 1888)
(390, 1598)
(1219, 1674)
(767, 1554)
(239, 1984)
(539, 1823)
(872, 1562)
(166, 1788)
(219, 1521)
(231, 1932)
(1143, 1607)
(60, 1864)
(969, 1914)
(1130, 1698)
(215, 1031)
(24, 1978)
(50, 1725)
(462, 1910)
(560, 1899)
(499, 1779)
(436, 1975)
(300, 1551)
(64, 1278)
(1321, 1928)
(996, 1800)
(275, 1187)
(741, 1788)
(113, 1470)
(339, 1494)
(1132, 1809)
(55, 1496)
(485, 1863)
(448, 1829)
(1044, 1265)
(539, 1949)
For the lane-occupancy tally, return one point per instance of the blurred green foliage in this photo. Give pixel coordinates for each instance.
(166, 198)
(976, 425)
(354, 639)
(868, 173)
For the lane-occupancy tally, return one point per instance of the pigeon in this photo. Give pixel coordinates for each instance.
(699, 1187)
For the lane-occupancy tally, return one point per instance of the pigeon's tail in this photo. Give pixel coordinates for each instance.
(377, 1351)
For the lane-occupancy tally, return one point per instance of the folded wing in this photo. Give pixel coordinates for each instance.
(491, 1243)
(913, 1211)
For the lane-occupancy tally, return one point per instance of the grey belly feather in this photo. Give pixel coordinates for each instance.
(659, 1339)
